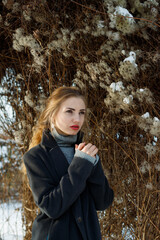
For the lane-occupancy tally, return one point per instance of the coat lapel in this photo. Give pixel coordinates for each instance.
(55, 154)
(60, 161)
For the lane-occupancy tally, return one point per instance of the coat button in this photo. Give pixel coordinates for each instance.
(79, 219)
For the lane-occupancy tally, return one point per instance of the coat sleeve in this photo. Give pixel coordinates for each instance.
(99, 188)
(54, 199)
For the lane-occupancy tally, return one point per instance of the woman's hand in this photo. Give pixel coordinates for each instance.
(89, 148)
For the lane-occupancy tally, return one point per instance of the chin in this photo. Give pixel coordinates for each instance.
(69, 132)
(74, 132)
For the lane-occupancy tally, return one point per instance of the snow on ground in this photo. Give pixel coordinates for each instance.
(11, 221)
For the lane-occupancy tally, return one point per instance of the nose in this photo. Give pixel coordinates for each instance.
(76, 118)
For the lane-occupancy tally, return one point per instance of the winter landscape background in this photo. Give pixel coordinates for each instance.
(110, 49)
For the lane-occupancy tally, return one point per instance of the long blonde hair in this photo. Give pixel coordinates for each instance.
(52, 106)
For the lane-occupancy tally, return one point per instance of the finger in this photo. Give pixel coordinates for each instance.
(76, 146)
(90, 149)
(94, 152)
(81, 146)
(87, 147)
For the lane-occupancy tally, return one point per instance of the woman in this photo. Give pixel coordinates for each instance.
(65, 174)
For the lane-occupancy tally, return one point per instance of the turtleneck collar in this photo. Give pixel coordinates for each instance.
(64, 140)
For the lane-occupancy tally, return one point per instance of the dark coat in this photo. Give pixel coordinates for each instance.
(67, 195)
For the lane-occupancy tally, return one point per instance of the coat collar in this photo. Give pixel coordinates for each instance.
(56, 156)
(49, 141)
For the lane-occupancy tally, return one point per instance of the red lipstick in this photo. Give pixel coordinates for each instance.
(74, 127)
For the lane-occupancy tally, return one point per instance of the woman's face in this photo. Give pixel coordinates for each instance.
(70, 116)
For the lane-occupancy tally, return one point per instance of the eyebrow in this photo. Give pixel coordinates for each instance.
(74, 109)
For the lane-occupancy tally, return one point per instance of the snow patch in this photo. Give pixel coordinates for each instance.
(11, 221)
(131, 58)
(117, 87)
(124, 12)
(146, 115)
